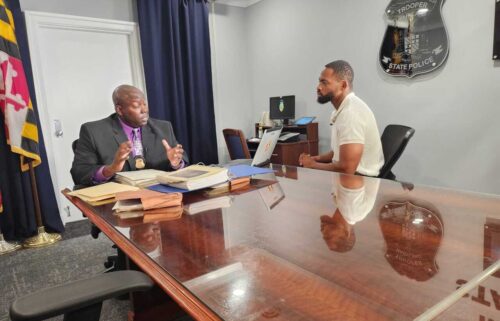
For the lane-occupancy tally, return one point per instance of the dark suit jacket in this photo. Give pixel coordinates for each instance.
(99, 141)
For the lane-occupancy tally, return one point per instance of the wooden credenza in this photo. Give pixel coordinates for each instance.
(288, 153)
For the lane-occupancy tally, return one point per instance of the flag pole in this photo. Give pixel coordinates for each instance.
(42, 238)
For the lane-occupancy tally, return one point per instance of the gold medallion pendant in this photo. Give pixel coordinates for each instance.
(140, 163)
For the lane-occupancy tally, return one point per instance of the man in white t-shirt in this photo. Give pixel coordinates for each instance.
(355, 139)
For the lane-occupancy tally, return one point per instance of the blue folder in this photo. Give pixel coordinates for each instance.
(167, 189)
(237, 171)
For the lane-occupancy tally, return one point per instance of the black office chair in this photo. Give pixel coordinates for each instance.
(236, 144)
(394, 141)
(74, 144)
(80, 300)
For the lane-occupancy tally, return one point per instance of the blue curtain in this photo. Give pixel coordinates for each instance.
(175, 45)
(18, 219)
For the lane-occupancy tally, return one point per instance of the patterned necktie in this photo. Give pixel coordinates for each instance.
(136, 142)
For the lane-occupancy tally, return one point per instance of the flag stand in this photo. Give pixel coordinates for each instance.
(42, 238)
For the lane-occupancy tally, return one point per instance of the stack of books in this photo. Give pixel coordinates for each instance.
(194, 177)
(229, 186)
(101, 194)
(148, 204)
(142, 178)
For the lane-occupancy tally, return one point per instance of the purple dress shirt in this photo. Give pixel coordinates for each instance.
(99, 176)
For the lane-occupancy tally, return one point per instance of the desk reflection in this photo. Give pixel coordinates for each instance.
(272, 195)
(147, 237)
(413, 235)
(354, 198)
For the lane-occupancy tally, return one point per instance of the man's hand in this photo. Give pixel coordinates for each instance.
(174, 154)
(307, 160)
(121, 156)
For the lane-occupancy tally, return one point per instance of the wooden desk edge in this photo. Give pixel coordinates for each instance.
(189, 302)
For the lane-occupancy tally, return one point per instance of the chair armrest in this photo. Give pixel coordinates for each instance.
(75, 295)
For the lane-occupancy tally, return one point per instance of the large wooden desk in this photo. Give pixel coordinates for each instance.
(287, 258)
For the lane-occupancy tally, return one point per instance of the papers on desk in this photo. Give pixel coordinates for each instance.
(154, 215)
(145, 200)
(194, 177)
(149, 204)
(142, 178)
(101, 194)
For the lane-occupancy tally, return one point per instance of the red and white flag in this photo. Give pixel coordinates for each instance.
(15, 103)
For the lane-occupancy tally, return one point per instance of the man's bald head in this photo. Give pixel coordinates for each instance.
(130, 105)
(123, 93)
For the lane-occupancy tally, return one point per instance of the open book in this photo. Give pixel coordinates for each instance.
(142, 178)
(194, 177)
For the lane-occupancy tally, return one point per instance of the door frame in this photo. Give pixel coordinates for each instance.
(35, 23)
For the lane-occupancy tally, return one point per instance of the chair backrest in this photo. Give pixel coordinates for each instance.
(73, 145)
(394, 141)
(236, 144)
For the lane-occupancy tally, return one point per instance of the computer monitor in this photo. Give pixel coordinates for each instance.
(282, 108)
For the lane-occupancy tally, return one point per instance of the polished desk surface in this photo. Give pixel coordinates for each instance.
(285, 251)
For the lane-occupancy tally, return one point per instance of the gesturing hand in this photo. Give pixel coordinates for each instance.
(174, 154)
(121, 156)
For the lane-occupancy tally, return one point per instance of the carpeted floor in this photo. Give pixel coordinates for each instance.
(76, 257)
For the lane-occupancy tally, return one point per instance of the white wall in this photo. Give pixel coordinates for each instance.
(234, 107)
(105, 9)
(454, 109)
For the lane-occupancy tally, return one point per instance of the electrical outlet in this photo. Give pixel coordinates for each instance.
(68, 211)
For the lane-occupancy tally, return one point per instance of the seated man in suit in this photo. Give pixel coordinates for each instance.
(125, 141)
(355, 139)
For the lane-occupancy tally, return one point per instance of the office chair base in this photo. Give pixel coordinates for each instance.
(94, 231)
(42, 239)
(116, 262)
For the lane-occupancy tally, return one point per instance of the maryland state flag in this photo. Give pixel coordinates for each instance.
(15, 103)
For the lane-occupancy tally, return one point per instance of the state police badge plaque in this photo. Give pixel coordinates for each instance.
(416, 40)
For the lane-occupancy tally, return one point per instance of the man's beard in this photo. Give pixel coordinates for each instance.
(323, 99)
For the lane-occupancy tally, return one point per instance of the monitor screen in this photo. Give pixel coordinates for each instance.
(282, 107)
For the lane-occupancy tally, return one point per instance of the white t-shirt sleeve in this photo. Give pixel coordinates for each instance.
(351, 130)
